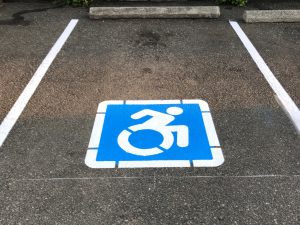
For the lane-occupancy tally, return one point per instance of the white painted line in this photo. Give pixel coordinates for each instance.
(103, 105)
(97, 131)
(91, 160)
(17, 109)
(202, 104)
(154, 163)
(286, 101)
(210, 130)
(218, 159)
(149, 102)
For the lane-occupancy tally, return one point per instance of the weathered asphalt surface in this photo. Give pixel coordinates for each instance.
(43, 178)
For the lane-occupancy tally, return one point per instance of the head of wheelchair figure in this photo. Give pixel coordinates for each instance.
(174, 110)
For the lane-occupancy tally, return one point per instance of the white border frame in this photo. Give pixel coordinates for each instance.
(91, 155)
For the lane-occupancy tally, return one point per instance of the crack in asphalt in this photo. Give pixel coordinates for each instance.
(155, 177)
(18, 18)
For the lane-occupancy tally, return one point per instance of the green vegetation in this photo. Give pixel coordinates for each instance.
(79, 2)
(233, 2)
(88, 2)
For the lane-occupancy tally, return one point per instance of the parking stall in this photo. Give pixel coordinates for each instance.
(186, 65)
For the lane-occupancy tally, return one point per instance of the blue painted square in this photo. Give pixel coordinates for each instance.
(118, 118)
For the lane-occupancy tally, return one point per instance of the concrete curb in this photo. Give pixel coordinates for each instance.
(155, 12)
(270, 16)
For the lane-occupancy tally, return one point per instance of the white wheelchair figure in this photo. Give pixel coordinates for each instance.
(158, 122)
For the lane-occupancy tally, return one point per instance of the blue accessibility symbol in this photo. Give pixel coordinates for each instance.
(153, 133)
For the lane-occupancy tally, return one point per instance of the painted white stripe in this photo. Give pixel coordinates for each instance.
(149, 102)
(103, 105)
(17, 109)
(91, 160)
(218, 159)
(154, 163)
(97, 131)
(288, 104)
(210, 130)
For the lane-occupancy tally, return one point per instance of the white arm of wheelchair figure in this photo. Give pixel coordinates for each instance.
(141, 114)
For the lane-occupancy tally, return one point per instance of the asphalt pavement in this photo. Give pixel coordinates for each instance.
(43, 177)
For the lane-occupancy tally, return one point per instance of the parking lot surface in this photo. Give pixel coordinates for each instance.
(44, 179)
